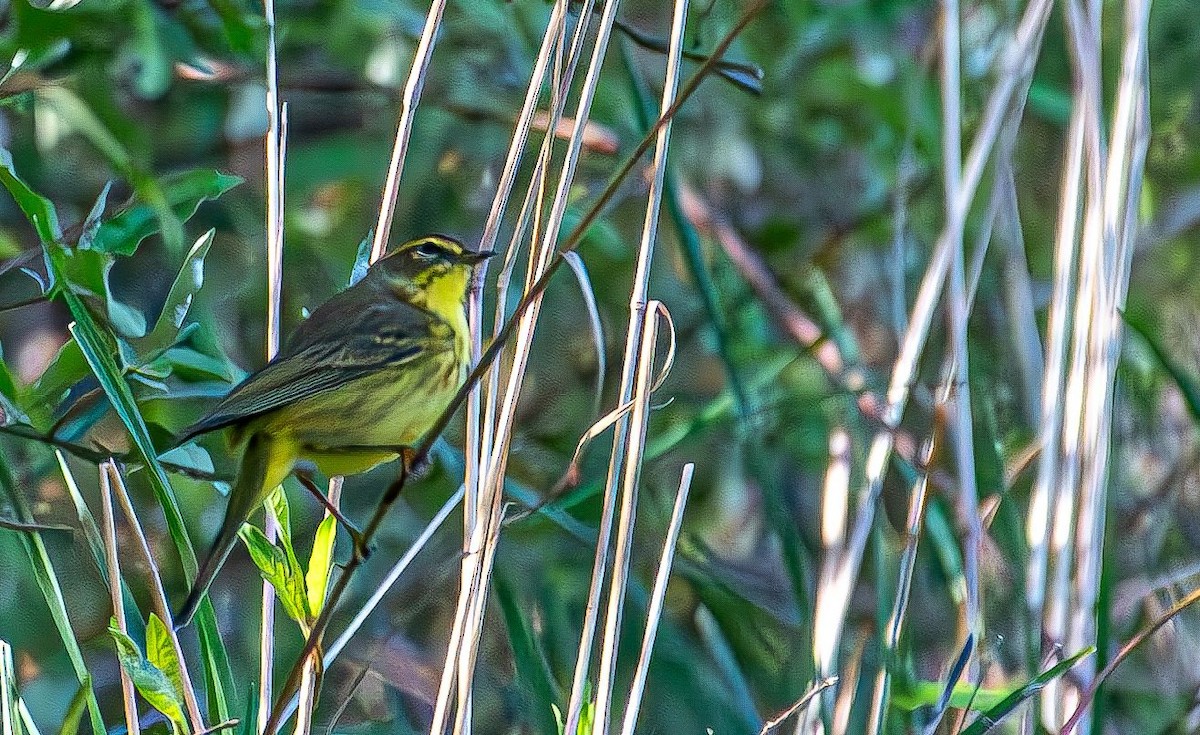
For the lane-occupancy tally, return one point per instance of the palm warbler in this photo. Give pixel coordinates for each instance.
(367, 373)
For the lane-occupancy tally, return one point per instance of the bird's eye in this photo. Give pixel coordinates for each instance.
(429, 250)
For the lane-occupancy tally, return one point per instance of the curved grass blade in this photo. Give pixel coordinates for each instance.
(987, 720)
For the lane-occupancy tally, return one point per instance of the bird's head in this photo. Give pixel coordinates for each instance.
(431, 272)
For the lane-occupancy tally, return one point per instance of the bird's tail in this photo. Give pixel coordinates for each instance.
(255, 478)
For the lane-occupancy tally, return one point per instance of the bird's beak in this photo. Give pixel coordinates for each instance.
(479, 257)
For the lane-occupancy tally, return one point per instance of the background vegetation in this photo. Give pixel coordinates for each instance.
(801, 212)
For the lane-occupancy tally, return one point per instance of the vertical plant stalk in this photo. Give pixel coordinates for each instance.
(158, 595)
(1016, 73)
(659, 593)
(956, 215)
(408, 109)
(472, 597)
(113, 560)
(637, 312)
(1121, 194)
(1043, 499)
(1083, 32)
(274, 159)
(310, 676)
(631, 478)
(835, 508)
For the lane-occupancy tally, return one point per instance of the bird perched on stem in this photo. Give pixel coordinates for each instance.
(366, 375)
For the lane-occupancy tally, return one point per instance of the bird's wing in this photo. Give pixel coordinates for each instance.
(327, 355)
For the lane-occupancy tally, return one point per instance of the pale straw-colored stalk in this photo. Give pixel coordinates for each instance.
(637, 311)
(1121, 193)
(274, 181)
(158, 595)
(654, 612)
(1015, 74)
(835, 511)
(463, 649)
(1043, 498)
(959, 398)
(636, 427)
(108, 530)
(1082, 32)
(408, 109)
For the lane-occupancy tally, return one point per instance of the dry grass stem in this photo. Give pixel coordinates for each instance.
(622, 553)
(113, 560)
(158, 595)
(408, 109)
(659, 593)
(621, 438)
(274, 164)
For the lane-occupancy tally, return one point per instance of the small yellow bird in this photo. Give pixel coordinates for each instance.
(369, 372)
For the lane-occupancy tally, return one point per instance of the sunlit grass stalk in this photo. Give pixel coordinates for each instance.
(158, 595)
(631, 476)
(1084, 42)
(654, 612)
(408, 109)
(472, 598)
(113, 561)
(1043, 498)
(479, 427)
(273, 163)
(637, 303)
(1014, 77)
(959, 399)
(1121, 195)
(487, 241)
(835, 509)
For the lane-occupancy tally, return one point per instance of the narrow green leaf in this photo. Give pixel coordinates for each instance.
(989, 719)
(75, 710)
(277, 569)
(179, 298)
(154, 685)
(183, 194)
(47, 580)
(316, 579)
(37, 208)
(160, 652)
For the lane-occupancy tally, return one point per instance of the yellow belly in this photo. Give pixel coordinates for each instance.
(357, 426)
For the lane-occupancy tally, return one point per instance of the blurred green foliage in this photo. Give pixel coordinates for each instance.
(132, 135)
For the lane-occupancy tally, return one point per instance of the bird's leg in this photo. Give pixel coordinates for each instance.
(356, 536)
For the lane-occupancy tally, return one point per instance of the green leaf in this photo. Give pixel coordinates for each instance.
(989, 719)
(75, 710)
(184, 193)
(279, 570)
(47, 580)
(160, 651)
(98, 348)
(9, 412)
(37, 208)
(151, 682)
(179, 298)
(316, 580)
